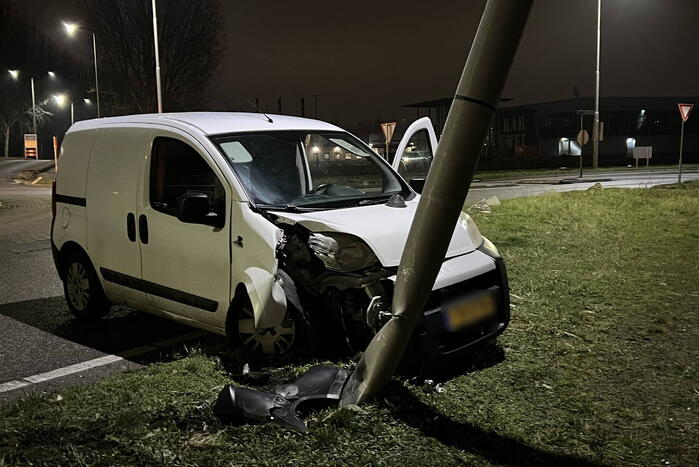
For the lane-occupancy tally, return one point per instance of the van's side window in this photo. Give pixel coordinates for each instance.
(176, 168)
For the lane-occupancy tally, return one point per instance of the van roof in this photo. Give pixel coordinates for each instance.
(212, 123)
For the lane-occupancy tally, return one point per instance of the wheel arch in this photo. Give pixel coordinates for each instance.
(240, 297)
(67, 249)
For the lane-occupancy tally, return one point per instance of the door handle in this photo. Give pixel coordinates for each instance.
(143, 229)
(131, 227)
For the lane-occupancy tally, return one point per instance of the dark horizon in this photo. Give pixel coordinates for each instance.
(367, 60)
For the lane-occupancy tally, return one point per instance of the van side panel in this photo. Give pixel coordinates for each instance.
(113, 183)
(71, 216)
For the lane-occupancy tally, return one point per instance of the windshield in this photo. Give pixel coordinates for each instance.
(294, 169)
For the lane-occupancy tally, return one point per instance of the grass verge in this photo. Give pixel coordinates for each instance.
(570, 171)
(597, 367)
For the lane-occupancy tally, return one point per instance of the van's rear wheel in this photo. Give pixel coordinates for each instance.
(83, 290)
(277, 340)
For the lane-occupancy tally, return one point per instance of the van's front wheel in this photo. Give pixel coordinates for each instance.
(83, 290)
(278, 340)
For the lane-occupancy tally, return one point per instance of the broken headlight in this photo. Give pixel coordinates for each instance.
(341, 252)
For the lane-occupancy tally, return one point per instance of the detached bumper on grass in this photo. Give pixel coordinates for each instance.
(239, 405)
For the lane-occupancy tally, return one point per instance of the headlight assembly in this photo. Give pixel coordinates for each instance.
(341, 252)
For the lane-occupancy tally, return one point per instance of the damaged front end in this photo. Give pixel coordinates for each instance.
(340, 291)
(335, 283)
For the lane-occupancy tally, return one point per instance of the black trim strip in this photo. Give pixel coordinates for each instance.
(475, 101)
(70, 200)
(159, 290)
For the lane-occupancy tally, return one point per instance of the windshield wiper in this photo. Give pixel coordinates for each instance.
(284, 207)
(369, 201)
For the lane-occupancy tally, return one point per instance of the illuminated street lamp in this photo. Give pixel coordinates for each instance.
(61, 100)
(15, 76)
(71, 30)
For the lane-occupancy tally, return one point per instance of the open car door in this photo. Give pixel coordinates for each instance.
(415, 153)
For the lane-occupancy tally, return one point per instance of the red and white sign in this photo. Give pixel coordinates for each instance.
(388, 129)
(685, 109)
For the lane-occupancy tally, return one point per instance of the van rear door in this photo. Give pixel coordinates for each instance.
(113, 182)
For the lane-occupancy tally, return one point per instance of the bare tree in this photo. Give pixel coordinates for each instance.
(190, 51)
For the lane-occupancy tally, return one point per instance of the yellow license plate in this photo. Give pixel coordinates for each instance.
(470, 311)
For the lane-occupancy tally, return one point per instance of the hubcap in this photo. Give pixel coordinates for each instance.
(78, 286)
(276, 340)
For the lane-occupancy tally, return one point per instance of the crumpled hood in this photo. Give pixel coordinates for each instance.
(383, 228)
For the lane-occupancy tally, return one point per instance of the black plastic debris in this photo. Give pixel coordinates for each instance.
(240, 405)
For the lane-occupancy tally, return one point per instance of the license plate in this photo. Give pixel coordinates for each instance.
(470, 311)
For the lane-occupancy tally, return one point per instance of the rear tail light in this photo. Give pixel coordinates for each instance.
(53, 199)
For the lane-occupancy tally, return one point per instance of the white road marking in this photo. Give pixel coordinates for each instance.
(69, 370)
(97, 362)
(10, 385)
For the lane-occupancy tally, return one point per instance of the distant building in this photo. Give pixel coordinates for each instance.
(543, 134)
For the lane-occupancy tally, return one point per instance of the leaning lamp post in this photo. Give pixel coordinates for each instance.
(445, 191)
(438, 210)
(71, 30)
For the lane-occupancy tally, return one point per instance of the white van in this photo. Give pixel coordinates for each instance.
(271, 230)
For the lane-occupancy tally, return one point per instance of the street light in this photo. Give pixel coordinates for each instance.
(71, 29)
(61, 100)
(15, 76)
(157, 58)
(595, 127)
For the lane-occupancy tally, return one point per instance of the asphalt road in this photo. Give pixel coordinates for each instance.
(38, 334)
(42, 347)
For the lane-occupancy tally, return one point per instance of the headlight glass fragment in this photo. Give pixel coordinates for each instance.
(341, 252)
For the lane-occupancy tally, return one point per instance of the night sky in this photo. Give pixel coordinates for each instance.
(367, 58)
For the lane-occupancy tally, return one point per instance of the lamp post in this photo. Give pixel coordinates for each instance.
(71, 28)
(595, 127)
(15, 76)
(157, 59)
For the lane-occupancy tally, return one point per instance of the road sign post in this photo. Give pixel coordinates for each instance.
(583, 136)
(685, 110)
(643, 152)
(388, 129)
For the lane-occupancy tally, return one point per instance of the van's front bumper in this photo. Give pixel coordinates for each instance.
(432, 332)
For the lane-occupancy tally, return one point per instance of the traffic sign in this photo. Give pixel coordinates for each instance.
(583, 137)
(388, 129)
(31, 148)
(685, 109)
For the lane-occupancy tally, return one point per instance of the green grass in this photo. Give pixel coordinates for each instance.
(569, 171)
(598, 366)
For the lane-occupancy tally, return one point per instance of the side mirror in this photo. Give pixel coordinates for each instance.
(417, 184)
(193, 208)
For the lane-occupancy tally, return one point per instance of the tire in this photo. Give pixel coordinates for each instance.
(284, 339)
(82, 289)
